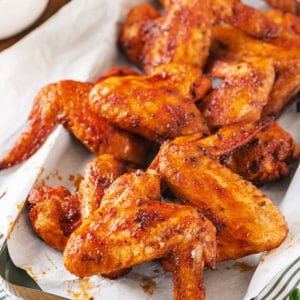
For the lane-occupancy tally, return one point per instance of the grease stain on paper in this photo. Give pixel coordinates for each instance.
(243, 266)
(75, 179)
(31, 274)
(55, 176)
(148, 285)
(20, 205)
(52, 175)
(84, 287)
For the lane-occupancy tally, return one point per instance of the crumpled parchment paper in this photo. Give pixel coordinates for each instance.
(79, 43)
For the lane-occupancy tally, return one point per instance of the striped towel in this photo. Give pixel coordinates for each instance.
(6, 295)
(283, 283)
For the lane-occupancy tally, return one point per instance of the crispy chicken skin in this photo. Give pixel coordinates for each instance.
(266, 157)
(247, 222)
(289, 36)
(260, 152)
(133, 34)
(223, 142)
(181, 35)
(159, 106)
(132, 226)
(99, 174)
(242, 94)
(117, 71)
(248, 19)
(233, 44)
(66, 103)
(227, 138)
(238, 14)
(282, 49)
(292, 6)
(55, 213)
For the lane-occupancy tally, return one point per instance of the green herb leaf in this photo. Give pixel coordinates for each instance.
(294, 294)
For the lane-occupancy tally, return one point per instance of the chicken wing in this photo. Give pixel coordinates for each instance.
(66, 102)
(159, 106)
(247, 222)
(260, 152)
(181, 35)
(132, 226)
(250, 20)
(233, 44)
(242, 94)
(55, 213)
(266, 157)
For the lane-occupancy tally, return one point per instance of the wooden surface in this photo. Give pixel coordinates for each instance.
(52, 7)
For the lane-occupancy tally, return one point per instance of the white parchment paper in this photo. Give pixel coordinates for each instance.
(79, 43)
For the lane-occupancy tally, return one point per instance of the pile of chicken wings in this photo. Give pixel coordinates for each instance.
(183, 140)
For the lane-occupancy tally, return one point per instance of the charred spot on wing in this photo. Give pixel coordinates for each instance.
(146, 218)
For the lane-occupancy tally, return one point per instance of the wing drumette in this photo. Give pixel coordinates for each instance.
(132, 226)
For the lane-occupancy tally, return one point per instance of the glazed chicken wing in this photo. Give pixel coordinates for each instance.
(236, 45)
(159, 106)
(250, 20)
(242, 94)
(181, 35)
(66, 102)
(132, 226)
(55, 213)
(247, 222)
(223, 142)
(260, 152)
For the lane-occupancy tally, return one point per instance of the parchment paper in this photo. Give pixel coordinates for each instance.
(80, 43)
